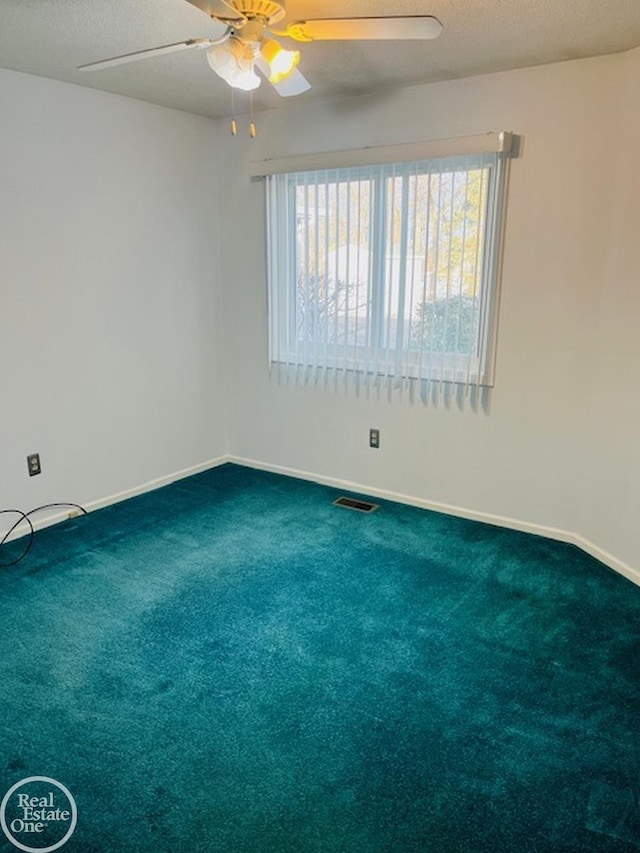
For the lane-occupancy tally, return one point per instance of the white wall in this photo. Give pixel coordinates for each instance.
(109, 344)
(526, 459)
(610, 489)
(133, 302)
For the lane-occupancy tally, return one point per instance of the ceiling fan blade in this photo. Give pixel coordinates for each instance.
(219, 10)
(151, 51)
(356, 29)
(294, 83)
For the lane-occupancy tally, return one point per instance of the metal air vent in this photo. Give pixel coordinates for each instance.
(353, 503)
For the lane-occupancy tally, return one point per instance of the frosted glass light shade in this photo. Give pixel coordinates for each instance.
(233, 60)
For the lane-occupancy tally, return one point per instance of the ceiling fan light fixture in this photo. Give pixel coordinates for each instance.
(233, 60)
(281, 62)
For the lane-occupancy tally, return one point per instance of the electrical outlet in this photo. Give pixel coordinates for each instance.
(374, 438)
(33, 464)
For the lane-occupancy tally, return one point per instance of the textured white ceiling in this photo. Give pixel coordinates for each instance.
(51, 37)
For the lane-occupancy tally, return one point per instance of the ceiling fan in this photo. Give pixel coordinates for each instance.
(248, 44)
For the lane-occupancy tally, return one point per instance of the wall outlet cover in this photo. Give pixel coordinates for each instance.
(33, 464)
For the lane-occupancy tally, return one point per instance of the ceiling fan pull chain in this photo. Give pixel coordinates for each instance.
(233, 127)
(252, 124)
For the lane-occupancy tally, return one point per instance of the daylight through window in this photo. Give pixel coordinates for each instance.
(387, 272)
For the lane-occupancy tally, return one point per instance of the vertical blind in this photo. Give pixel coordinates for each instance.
(386, 273)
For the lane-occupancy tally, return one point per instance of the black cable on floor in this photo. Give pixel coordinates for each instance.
(26, 516)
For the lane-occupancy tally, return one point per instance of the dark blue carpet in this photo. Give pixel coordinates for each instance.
(233, 664)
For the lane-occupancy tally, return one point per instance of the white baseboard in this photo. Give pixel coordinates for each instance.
(606, 557)
(40, 522)
(157, 484)
(555, 533)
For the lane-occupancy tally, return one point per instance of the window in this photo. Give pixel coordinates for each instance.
(387, 271)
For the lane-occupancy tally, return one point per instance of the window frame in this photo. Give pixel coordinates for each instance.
(348, 358)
